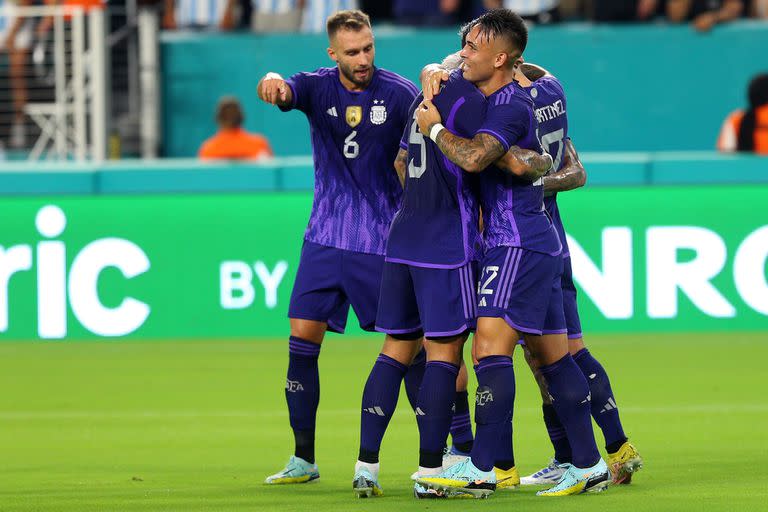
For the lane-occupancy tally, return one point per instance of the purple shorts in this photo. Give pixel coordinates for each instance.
(435, 301)
(522, 287)
(329, 280)
(572, 321)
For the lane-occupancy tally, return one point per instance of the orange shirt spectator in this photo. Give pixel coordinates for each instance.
(232, 141)
(747, 131)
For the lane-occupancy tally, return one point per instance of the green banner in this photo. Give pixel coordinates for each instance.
(216, 266)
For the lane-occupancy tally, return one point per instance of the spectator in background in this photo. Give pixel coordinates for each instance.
(277, 15)
(536, 11)
(316, 13)
(232, 141)
(705, 14)
(430, 13)
(200, 14)
(16, 36)
(759, 9)
(624, 10)
(377, 10)
(748, 130)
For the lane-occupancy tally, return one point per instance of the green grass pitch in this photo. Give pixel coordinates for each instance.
(197, 425)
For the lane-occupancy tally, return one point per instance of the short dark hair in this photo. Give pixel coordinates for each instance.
(354, 20)
(499, 23)
(758, 90)
(229, 113)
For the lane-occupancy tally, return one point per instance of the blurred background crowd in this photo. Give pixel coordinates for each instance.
(310, 15)
(125, 78)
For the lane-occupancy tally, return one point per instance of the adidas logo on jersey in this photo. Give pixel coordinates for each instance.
(611, 405)
(419, 412)
(332, 112)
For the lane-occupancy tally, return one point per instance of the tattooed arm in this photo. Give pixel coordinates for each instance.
(401, 164)
(571, 176)
(472, 155)
(477, 153)
(525, 163)
(533, 72)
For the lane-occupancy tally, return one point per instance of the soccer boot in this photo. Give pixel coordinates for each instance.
(365, 484)
(453, 456)
(297, 471)
(462, 478)
(421, 492)
(624, 463)
(545, 476)
(507, 478)
(578, 481)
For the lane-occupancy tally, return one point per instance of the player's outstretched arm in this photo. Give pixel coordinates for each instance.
(272, 89)
(525, 163)
(571, 176)
(472, 155)
(401, 162)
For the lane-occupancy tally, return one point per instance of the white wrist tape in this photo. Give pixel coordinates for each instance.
(435, 131)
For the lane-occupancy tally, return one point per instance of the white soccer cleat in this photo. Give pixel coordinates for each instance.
(546, 476)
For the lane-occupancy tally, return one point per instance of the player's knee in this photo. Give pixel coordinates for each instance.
(547, 349)
(402, 351)
(448, 349)
(575, 346)
(484, 346)
(462, 380)
(309, 330)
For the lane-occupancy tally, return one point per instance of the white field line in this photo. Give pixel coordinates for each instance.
(181, 414)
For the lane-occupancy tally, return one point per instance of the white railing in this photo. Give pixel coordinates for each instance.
(64, 71)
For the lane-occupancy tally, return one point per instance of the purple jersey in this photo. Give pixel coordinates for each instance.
(355, 138)
(437, 225)
(513, 209)
(549, 107)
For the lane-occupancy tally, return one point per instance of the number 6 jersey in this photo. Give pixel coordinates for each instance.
(437, 225)
(354, 145)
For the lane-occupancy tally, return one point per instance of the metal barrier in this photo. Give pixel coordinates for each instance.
(70, 81)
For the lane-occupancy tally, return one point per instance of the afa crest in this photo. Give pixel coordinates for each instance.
(378, 112)
(354, 115)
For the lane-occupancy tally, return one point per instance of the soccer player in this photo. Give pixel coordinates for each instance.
(356, 113)
(428, 285)
(623, 459)
(519, 288)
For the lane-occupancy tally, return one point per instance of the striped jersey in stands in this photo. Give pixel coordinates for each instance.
(274, 6)
(530, 7)
(199, 13)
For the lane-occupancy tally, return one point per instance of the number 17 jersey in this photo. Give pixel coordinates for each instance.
(437, 225)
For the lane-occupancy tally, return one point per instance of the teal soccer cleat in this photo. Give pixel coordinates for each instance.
(462, 478)
(579, 481)
(297, 471)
